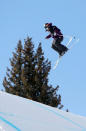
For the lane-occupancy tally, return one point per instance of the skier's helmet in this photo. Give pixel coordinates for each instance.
(46, 25)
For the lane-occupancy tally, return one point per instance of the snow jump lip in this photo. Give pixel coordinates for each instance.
(60, 115)
(49, 117)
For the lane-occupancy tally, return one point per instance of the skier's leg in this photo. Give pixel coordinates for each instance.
(55, 46)
(61, 48)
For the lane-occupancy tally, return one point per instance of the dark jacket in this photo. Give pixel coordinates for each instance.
(54, 32)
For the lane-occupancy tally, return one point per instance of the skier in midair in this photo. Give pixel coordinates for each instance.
(56, 34)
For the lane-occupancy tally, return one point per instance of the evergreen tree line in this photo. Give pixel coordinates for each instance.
(28, 75)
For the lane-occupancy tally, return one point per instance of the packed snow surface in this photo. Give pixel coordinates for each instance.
(20, 114)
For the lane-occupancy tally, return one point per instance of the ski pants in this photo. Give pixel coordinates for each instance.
(58, 46)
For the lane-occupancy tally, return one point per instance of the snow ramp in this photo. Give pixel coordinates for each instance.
(20, 114)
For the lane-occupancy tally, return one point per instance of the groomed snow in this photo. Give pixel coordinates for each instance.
(20, 114)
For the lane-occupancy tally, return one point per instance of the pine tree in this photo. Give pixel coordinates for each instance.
(28, 76)
(13, 82)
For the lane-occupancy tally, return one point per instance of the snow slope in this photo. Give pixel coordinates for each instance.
(20, 114)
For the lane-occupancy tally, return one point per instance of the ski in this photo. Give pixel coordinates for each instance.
(73, 44)
(57, 62)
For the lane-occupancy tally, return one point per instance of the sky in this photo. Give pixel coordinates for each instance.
(19, 19)
(34, 116)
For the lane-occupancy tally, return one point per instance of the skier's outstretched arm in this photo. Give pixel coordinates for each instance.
(47, 37)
